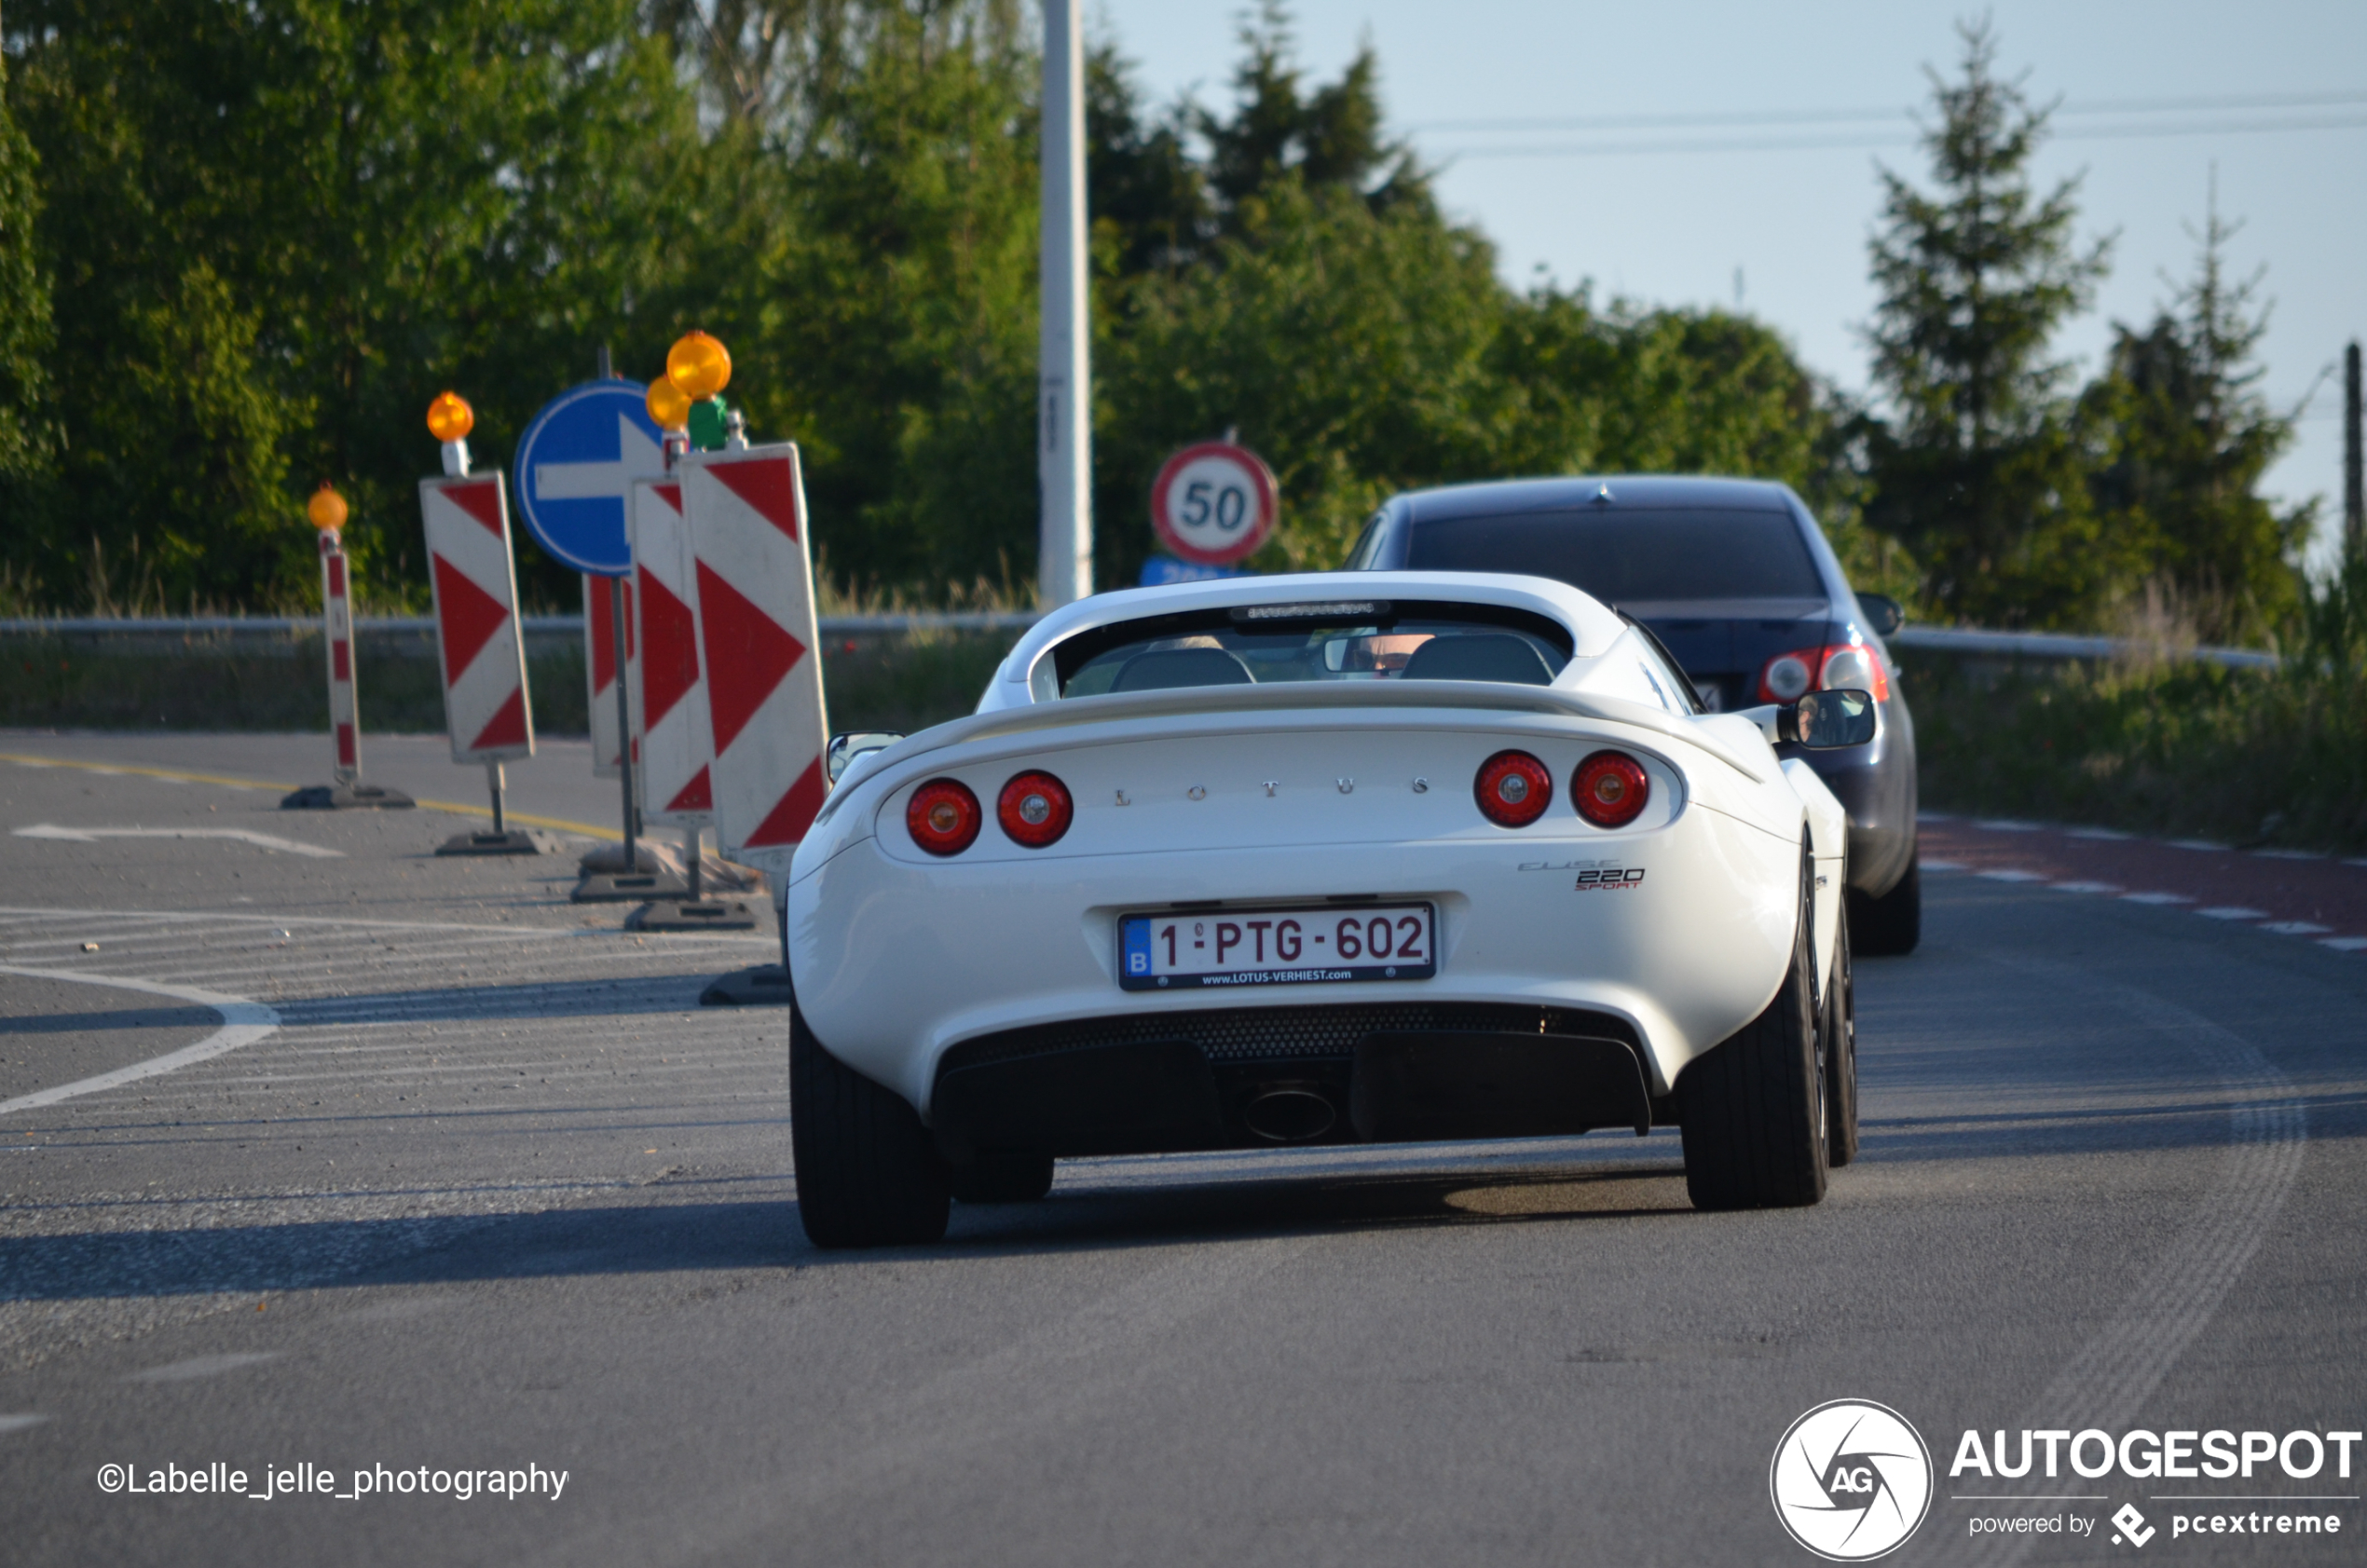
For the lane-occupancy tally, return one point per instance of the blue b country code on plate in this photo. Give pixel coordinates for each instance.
(1278, 946)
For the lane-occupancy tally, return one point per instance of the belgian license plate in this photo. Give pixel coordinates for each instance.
(1278, 946)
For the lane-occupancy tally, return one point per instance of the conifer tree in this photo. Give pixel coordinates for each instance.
(1977, 467)
(2190, 438)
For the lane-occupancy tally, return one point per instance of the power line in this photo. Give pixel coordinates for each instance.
(1895, 139)
(1847, 116)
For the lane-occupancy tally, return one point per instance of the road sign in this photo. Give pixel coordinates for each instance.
(760, 648)
(1214, 504)
(670, 705)
(599, 671)
(476, 624)
(575, 473)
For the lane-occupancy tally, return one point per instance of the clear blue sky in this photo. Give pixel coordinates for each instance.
(1675, 226)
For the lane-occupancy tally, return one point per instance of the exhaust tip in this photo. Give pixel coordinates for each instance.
(1290, 1115)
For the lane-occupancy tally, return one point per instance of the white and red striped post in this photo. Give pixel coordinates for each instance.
(336, 610)
(327, 513)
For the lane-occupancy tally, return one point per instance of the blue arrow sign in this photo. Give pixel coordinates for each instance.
(576, 469)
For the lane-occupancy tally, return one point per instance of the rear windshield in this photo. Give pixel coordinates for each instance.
(1258, 644)
(1624, 557)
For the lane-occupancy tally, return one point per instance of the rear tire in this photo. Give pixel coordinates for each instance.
(1838, 1032)
(1753, 1108)
(1891, 926)
(1002, 1178)
(868, 1172)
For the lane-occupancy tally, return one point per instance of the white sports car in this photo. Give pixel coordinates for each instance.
(1321, 859)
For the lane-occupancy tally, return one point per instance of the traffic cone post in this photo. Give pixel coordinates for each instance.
(327, 512)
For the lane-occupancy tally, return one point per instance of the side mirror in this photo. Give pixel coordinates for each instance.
(1828, 720)
(846, 747)
(1883, 614)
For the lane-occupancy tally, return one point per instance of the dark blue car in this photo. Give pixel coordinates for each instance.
(1736, 580)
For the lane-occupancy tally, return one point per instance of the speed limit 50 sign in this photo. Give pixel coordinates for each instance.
(1214, 504)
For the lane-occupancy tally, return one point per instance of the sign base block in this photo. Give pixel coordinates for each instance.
(765, 986)
(611, 858)
(345, 798)
(627, 887)
(512, 842)
(704, 915)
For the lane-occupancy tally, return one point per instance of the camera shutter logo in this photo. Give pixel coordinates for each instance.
(1851, 1480)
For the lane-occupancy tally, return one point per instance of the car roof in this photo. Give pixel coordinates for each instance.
(1633, 491)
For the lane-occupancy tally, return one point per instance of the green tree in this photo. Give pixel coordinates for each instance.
(278, 229)
(2189, 438)
(25, 328)
(1979, 468)
(1349, 347)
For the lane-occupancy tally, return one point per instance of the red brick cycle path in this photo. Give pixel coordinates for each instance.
(2307, 897)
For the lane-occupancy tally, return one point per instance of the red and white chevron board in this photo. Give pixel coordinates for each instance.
(762, 652)
(476, 618)
(670, 711)
(337, 625)
(599, 668)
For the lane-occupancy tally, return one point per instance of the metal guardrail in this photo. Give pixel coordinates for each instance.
(1940, 639)
(2061, 646)
(533, 625)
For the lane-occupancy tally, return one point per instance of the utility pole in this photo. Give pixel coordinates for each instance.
(2354, 504)
(1064, 388)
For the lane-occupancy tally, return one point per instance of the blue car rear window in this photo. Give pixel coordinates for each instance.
(1624, 557)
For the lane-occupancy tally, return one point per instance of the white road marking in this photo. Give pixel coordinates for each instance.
(243, 1023)
(2287, 855)
(2195, 844)
(18, 1423)
(2343, 944)
(2005, 876)
(260, 840)
(2156, 898)
(2232, 912)
(203, 1366)
(1942, 866)
(2105, 833)
(2006, 825)
(2296, 927)
(520, 929)
(2086, 887)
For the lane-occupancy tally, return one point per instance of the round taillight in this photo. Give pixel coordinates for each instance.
(1612, 789)
(1034, 809)
(1788, 677)
(1513, 788)
(943, 817)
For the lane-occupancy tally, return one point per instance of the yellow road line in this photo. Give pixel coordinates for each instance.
(562, 823)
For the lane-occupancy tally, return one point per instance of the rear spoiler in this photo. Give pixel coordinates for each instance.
(1284, 696)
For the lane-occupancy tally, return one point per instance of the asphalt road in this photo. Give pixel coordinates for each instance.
(484, 1190)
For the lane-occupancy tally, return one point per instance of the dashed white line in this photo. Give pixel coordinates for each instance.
(2156, 898)
(2232, 912)
(2085, 887)
(203, 1366)
(260, 840)
(2296, 927)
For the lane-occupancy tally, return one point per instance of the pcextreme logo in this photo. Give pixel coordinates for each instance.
(1851, 1480)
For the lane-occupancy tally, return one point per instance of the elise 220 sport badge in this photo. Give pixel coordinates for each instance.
(1594, 875)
